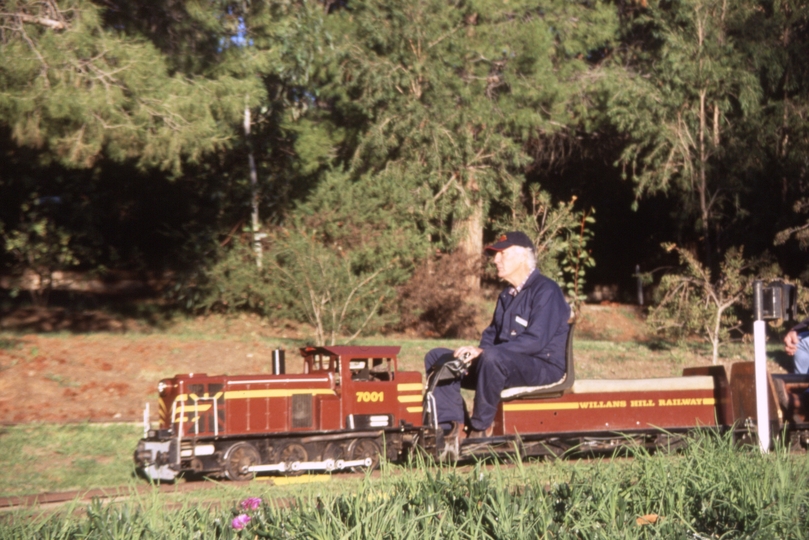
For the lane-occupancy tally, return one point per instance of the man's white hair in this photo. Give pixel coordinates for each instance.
(527, 255)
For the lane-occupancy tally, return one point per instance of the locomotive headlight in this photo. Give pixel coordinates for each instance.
(162, 386)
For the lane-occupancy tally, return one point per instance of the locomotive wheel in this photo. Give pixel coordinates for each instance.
(364, 448)
(238, 458)
(291, 453)
(669, 442)
(334, 451)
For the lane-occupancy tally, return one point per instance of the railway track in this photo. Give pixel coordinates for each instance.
(50, 500)
(54, 500)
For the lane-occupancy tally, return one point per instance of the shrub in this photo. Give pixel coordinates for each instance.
(434, 302)
(690, 301)
(303, 278)
(325, 287)
(234, 282)
(39, 248)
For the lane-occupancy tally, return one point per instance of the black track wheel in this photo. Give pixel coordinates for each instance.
(335, 451)
(291, 453)
(364, 448)
(238, 458)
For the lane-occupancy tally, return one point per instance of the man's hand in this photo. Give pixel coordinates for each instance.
(790, 342)
(468, 353)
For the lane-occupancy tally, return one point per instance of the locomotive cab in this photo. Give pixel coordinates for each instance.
(357, 364)
(371, 369)
(373, 392)
(318, 361)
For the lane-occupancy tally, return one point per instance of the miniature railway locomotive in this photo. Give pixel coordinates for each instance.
(348, 405)
(351, 405)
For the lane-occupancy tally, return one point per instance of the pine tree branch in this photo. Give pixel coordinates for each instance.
(443, 37)
(42, 21)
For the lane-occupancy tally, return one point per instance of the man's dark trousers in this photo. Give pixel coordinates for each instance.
(488, 375)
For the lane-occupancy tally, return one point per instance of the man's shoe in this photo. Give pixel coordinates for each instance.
(457, 431)
(452, 443)
(481, 434)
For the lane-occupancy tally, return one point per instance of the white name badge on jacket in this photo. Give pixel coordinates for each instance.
(521, 320)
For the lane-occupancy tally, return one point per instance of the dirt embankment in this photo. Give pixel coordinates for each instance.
(58, 367)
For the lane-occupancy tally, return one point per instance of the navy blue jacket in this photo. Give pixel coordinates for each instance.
(533, 323)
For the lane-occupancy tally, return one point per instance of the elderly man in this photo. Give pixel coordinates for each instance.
(523, 346)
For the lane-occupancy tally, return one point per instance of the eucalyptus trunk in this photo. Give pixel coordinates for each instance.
(470, 241)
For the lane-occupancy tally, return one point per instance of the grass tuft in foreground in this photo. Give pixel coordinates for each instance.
(713, 489)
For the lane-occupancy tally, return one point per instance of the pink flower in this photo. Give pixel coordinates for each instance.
(240, 521)
(251, 503)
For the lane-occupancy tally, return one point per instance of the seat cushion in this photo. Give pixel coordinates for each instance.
(596, 386)
(517, 391)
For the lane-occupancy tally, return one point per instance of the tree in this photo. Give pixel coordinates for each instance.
(161, 87)
(39, 248)
(686, 95)
(780, 51)
(359, 235)
(76, 89)
(693, 302)
(321, 285)
(454, 100)
(336, 263)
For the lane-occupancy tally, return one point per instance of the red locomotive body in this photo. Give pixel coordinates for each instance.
(334, 415)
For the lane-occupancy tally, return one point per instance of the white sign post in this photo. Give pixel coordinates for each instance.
(762, 403)
(774, 301)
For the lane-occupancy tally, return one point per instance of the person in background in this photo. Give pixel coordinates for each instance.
(523, 346)
(796, 343)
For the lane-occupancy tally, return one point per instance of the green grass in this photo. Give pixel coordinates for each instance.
(714, 489)
(36, 458)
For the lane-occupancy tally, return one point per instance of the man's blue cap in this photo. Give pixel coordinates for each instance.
(513, 238)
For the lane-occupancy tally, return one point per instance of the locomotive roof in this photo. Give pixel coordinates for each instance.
(377, 351)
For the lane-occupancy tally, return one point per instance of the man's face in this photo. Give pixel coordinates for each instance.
(508, 263)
